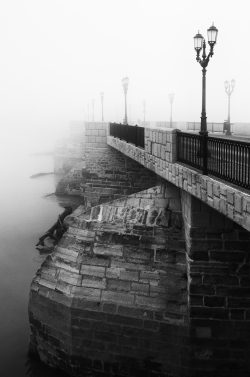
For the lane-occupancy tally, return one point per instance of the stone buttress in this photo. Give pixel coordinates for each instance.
(112, 297)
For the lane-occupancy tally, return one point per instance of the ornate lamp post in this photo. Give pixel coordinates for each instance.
(171, 100)
(102, 96)
(125, 82)
(200, 44)
(229, 87)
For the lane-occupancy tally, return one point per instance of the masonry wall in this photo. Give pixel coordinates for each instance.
(218, 291)
(104, 173)
(113, 295)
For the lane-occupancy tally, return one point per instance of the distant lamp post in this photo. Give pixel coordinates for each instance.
(171, 100)
(102, 96)
(144, 111)
(200, 44)
(93, 110)
(88, 111)
(229, 87)
(125, 82)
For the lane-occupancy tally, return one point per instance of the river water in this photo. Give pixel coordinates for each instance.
(25, 215)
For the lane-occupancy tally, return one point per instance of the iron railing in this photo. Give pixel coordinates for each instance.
(188, 146)
(230, 160)
(130, 134)
(227, 159)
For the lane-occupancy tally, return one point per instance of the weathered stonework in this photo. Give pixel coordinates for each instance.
(218, 254)
(113, 295)
(104, 174)
(155, 283)
(159, 156)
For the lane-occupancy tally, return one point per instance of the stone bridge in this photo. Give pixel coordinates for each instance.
(152, 277)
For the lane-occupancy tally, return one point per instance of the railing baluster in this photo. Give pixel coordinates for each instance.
(228, 159)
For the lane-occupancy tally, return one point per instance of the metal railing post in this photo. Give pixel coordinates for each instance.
(204, 153)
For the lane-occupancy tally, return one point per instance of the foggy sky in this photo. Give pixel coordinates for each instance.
(58, 55)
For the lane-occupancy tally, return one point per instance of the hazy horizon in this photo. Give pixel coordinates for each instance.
(58, 55)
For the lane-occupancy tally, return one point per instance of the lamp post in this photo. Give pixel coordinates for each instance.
(102, 96)
(229, 87)
(200, 44)
(125, 82)
(144, 111)
(171, 100)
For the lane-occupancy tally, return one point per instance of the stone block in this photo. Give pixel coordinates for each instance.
(164, 137)
(118, 297)
(109, 308)
(223, 205)
(230, 197)
(114, 272)
(210, 189)
(140, 288)
(87, 293)
(93, 270)
(94, 283)
(216, 189)
(118, 285)
(230, 211)
(69, 277)
(108, 250)
(238, 203)
(150, 275)
(129, 275)
(205, 312)
(216, 301)
(151, 302)
(203, 332)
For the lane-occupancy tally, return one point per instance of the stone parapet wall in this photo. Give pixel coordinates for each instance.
(161, 144)
(96, 134)
(226, 199)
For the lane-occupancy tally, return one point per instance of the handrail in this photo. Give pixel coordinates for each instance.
(130, 134)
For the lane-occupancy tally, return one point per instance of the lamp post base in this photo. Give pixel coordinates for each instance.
(227, 128)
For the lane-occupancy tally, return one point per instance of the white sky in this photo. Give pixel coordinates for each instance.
(58, 55)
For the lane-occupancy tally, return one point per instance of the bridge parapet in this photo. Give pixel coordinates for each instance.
(160, 157)
(162, 144)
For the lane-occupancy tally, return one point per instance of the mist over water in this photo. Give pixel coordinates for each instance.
(25, 215)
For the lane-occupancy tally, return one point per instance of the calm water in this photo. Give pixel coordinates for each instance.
(25, 215)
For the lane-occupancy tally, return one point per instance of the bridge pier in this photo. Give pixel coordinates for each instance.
(218, 291)
(151, 279)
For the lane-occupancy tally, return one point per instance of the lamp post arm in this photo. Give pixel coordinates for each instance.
(205, 58)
